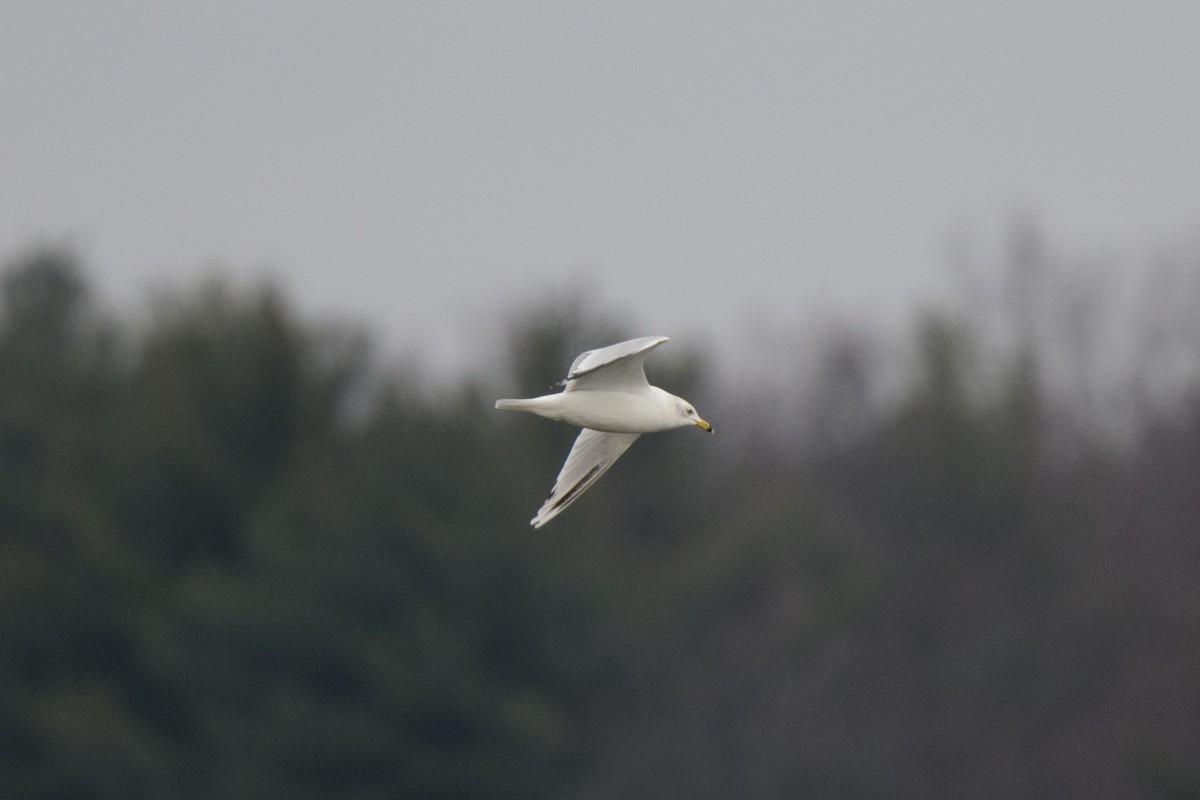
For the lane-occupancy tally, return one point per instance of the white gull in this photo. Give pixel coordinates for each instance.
(605, 393)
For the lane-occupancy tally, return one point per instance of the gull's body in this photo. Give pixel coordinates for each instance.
(605, 393)
(647, 411)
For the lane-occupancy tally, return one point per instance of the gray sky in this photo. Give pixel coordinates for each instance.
(703, 167)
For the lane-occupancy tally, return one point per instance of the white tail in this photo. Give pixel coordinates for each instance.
(515, 405)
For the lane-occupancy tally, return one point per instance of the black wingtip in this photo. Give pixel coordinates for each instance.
(569, 495)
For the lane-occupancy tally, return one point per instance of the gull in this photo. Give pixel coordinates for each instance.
(605, 393)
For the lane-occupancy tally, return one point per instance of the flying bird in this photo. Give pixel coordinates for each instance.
(605, 393)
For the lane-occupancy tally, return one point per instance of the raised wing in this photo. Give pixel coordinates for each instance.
(617, 367)
(590, 457)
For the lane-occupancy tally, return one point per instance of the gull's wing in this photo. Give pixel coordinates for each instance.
(617, 367)
(591, 456)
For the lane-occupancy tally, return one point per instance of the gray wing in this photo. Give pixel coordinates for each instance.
(617, 367)
(591, 456)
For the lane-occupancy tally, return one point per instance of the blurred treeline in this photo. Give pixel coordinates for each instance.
(241, 558)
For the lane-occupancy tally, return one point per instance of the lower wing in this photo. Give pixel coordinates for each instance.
(590, 457)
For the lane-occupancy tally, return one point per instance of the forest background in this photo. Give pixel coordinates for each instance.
(244, 555)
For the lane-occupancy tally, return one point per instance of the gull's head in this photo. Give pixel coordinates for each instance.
(688, 415)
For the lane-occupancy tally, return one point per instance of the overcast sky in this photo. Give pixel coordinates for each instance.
(430, 167)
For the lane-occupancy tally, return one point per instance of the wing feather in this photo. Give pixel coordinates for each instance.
(590, 457)
(617, 367)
